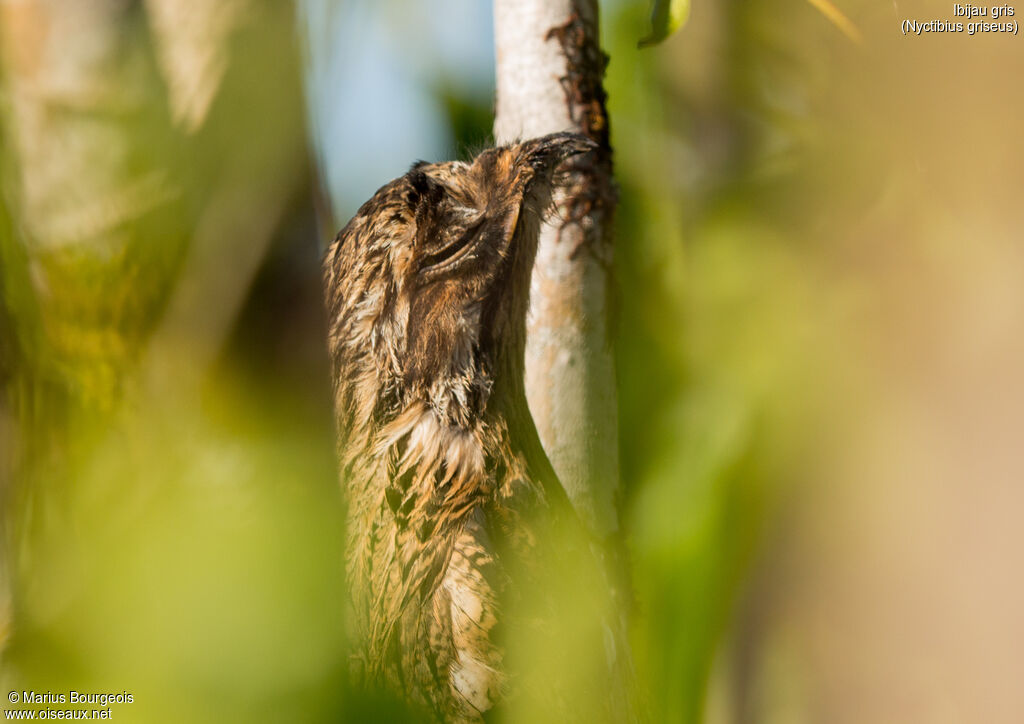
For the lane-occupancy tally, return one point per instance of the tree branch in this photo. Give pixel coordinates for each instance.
(549, 78)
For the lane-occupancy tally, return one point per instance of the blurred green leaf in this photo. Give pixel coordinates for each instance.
(667, 16)
(837, 18)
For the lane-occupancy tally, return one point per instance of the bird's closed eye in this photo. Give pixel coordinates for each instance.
(454, 250)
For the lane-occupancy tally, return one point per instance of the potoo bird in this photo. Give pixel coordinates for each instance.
(427, 292)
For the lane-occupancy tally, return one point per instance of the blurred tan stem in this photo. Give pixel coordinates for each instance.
(142, 208)
(88, 180)
(191, 38)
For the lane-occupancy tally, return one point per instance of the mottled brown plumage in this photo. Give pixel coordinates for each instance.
(427, 290)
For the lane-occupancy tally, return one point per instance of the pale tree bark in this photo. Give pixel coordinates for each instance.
(549, 78)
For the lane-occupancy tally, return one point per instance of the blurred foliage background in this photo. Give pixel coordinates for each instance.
(818, 337)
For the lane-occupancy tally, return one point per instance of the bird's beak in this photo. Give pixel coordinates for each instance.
(546, 152)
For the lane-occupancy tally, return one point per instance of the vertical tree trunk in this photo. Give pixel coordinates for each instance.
(549, 78)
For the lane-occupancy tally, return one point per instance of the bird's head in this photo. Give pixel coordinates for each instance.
(428, 285)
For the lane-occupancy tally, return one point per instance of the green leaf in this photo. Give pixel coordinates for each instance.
(667, 16)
